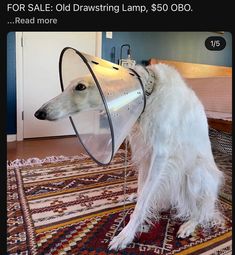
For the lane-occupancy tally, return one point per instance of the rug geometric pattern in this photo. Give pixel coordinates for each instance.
(72, 206)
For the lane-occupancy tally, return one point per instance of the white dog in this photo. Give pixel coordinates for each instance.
(170, 145)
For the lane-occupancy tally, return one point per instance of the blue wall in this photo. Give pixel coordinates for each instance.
(11, 84)
(179, 46)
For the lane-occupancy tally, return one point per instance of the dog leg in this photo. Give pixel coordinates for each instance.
(201, 195)
(142, 207)
(143, 173)
(141, 155)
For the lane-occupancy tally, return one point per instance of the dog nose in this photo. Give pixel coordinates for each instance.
(41, 115)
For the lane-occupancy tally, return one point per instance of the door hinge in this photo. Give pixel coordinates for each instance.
(23, 115)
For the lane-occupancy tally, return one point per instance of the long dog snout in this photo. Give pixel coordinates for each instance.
(40, 114)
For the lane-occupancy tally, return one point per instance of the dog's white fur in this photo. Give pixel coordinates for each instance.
(171, 148)
(172, 151)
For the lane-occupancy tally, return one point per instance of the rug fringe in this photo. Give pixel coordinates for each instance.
(49, 159)
(37, 161)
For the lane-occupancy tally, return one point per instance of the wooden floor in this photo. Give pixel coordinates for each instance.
(43, 147)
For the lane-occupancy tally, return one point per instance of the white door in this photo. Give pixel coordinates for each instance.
(41, 51)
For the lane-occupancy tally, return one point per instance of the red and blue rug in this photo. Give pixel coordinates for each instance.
(71, 206)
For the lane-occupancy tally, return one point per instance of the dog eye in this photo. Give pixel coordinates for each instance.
(80, 86)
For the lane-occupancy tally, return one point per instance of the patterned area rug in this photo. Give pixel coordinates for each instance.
(60, 206)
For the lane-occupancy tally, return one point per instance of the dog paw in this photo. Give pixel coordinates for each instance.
(120, 241)
(186, 229)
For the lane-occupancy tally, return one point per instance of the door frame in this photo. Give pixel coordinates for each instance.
(20, 80)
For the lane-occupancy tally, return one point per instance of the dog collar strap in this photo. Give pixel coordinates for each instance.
(149, 86)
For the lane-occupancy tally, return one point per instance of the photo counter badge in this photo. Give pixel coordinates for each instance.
(103, 100)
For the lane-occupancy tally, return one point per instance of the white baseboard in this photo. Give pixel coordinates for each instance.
(11, 138)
